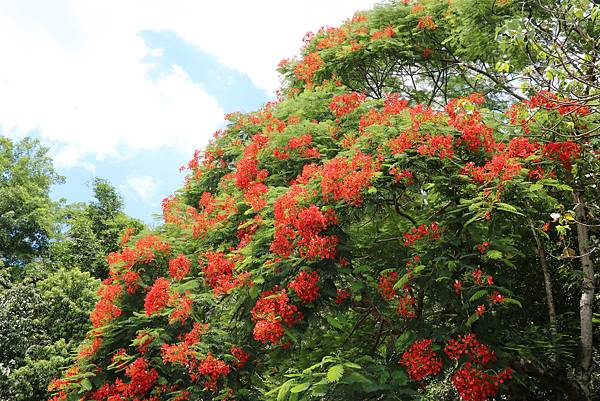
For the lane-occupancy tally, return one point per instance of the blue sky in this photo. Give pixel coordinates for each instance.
(146, 177)
(126, 90)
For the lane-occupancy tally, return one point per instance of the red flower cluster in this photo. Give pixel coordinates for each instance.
(212, 211)
(474, 385)
(346, 103)
(426, 22)
(300, 145)
(220, 275)
(468, 346)
(433, 232)
(182, 305)
(143, 251)
(406, 305)
(194, 335)
(345, 178)
(482, 248)
(179, 267)
(305, 70)
(141, 377)
(241, 356)
(496, 297)
(421, 361)
(457, 285)
(305, 286)
(213, 368)
(521, 147)
(146, 246)
(158, 296)
(401, 175)
(386, 285)
(105, 309)
(272, 309)
(549, 101)
(179, 353)
(341, 296)
(437, 144)
(564, 152)
(501, 167)
(477, 275)
(474, 133)
(387, 32)
(303, 225)
(392, 106)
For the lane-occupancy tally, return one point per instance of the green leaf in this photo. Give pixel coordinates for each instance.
(284, 390)
(298, 388)
(508, 208)
(404, 279)
(494, 254)
(86, 384)
(535, 187)
(513, 301)
(472, 319)
(477, 295)
(352, 365)
(335, 373)
(333, 322)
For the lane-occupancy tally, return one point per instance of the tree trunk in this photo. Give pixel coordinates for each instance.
(584, 368)
(541, 251)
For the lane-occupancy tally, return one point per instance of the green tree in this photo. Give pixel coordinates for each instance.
(26, 210)
(92, 231)
(43, 319)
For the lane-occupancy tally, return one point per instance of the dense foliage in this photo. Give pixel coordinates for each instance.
(25, 206)
(52, 256)
(413, 218)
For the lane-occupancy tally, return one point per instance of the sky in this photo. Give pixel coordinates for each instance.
(127, 90)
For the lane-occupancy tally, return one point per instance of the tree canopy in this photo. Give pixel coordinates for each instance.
(413, 218)
(25, 206)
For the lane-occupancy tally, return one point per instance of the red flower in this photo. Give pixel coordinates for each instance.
(271, 311)
(105, 309)
(474, 385)
(220, 273)
(142, 377)
(341, 296)
(469, 346)
(496, 297)
(179, 267)
(426, 22)
(241, 356)
(182, 305)
(157, 297)
(213, 368)
(346, 103)
(386, 285)
(305, 286)
(421, 361)
(457, 285)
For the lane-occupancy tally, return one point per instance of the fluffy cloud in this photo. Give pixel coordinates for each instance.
(145, 187)
(74, 71)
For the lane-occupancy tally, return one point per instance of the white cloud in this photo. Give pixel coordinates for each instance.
(144, 186)
(73, 70)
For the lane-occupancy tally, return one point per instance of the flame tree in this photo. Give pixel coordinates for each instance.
(413, 218)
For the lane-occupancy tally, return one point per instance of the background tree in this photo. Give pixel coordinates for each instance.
(92, 230)
(51, 255)
(26, 209)
(43, 318)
